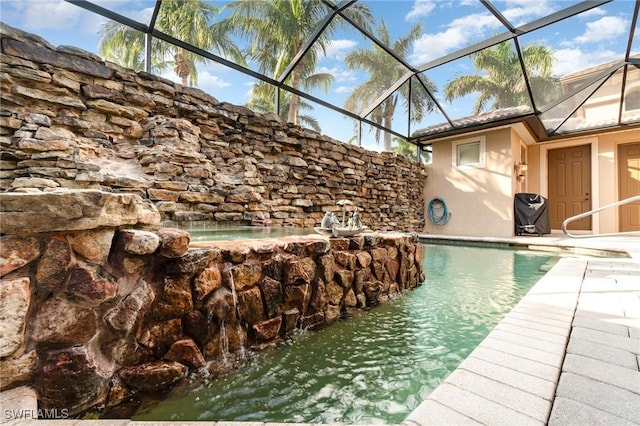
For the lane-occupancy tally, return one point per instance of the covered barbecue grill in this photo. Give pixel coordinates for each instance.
(531, 214)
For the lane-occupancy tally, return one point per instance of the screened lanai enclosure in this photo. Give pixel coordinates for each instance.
(391, 74)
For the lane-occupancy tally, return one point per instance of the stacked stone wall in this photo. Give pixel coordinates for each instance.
(98, 315)
(70, 120)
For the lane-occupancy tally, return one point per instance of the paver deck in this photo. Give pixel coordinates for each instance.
(568, 353)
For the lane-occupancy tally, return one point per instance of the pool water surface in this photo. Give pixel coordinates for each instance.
(378, 366)
(209, 232)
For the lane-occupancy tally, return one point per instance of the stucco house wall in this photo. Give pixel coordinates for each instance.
(480, 199)
(604, 176)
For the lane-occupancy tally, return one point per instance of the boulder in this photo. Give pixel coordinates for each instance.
(294, 273)
(26, 213)
(272, 295)
(72, 379)
(175, 300)
(139, 242)
(222, 305)
(153, 376)
(59, 321)
(297, 296)
(159, 338)
(125, 314)
(54, 266)
(268, 330)
(174, 242)
(250, 306)
(18, 371)
(87, 283)
(15, 297)
(243, 276)
(207, 281)
(93, 245)
(17, 251)
(186, 352)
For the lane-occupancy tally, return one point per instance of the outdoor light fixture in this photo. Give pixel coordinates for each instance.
(520, 169)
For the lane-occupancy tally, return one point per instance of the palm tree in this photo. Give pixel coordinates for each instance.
(122, 45)
(407, 149)
(384, 71)
(278, 29)
(503, 84)
(262, 99)
(187, 20)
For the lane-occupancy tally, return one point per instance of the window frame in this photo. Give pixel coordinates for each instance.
(482, 151)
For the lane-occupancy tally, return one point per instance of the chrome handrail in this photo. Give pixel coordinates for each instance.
(591, 212)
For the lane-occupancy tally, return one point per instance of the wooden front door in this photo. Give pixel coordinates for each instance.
(629, 185)
(570, 186)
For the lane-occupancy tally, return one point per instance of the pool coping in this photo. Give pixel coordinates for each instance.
(534, 365)
(577, 328)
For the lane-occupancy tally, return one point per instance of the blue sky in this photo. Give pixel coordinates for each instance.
(594, 37)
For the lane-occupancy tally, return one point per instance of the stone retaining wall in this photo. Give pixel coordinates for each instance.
(70, 120)
(93, 316)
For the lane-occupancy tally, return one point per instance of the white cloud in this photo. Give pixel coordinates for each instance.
(344, 89)
(91, 23)
(58, 14)
(207, 82)
(598, 11)
(571, 60)
(111, 4)
(210, 83)
(340, 75)
(520, 11)
(337, 49)
(605, 28)
(459, 33)
(421, 8)
(62, 15)
(246, 95)
(143, 15)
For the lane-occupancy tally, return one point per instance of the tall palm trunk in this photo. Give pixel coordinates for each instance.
(294, 102)
(182, 67)
(389, 108)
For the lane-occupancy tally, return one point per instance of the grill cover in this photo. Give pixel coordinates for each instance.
(531, 213)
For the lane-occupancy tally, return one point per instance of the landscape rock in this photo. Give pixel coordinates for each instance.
(25, 213)
(268, 330)
(16, 252)
(60, 321)
(93, 245)
(72, 379)
(186, 352)
(15, 296)
(18, 371)
(174, 242)
(139, 242)
(125, 315)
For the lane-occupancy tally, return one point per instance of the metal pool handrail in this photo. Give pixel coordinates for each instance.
(591, 212)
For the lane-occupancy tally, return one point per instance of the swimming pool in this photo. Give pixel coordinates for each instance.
(213, 232)
(379, 366)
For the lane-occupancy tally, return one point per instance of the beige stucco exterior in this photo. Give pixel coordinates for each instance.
(480, 199)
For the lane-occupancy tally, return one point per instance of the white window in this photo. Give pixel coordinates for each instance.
(469, 153)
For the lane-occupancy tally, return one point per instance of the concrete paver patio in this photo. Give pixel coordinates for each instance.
(568, 353)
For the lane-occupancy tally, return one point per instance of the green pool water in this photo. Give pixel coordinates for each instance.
(377, 367)
(211, 232)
